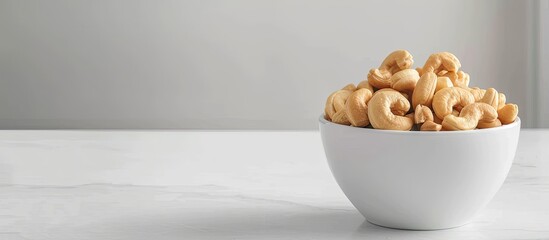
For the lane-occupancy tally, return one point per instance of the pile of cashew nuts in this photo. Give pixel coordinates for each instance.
(432, 98)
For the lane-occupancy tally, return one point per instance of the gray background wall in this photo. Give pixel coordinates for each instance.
(241, 64)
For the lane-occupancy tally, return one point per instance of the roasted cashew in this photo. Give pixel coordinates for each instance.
(365, 84)
(394, 62)
(491, 97)
(419, 71)
(459, 79)
(379, 79)
(386, 110)
(350, 87)
(425, 89)
(357, 107)
(508, 113)
(422, 114)
(441, 61)
(443, 82)
(336, 103)
(482, 125)
(397, 60)
(501, 100)
(478, 93)
(436, 119)
(462, 80)
(341, 118)
(470, 116)
(447, 99)
(404, 80)
(430, 126)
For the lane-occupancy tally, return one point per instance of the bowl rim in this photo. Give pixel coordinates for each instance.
(322, 120)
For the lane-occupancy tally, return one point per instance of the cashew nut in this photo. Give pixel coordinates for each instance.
(459, 79)
(508, 113)
(462, 80)
(425, 89)
(392, 90)
(436, 119)
(349, 87)
(482, 125)
(399, 59)
(430, 126)
(447, 99)
(365, 84)
(419, 71)
(357, 107)
(422, 114)
(394, 62)
(336, 103)
(441, 61)
(404, 80)
(470, 116)
(379, 79)
(501, 100)
(477, 93)
(386, 110)
(341, 118)
(443, 82)
(491, 97)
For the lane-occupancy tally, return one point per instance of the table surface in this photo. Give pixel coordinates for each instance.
(220, 185)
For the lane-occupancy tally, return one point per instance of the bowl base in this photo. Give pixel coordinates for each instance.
(415, 229)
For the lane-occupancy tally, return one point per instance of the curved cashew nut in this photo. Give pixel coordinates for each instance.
(430, 126)
(410, 116)
(441, 61)
(437, 119)
(482, 125)
(336, 104)
(394, 62)
(447, 99)
(365, 84)
(491, 97)
(422, 114)
(392, 90)
(397, 60)
(349, 87)
(443, 82)
(341, 118)
(404, 80)
(462, 80)
(386, 110)
(419, 70)
(357, 107)
(478, 93)
(508, 113)
(501, 100)
(459, 79)
(425, 89)
(379, 79)
(470, 116)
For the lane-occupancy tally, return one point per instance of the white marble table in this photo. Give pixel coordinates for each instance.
(220, 185)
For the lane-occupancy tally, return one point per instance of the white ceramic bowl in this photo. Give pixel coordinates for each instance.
(419, 180)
